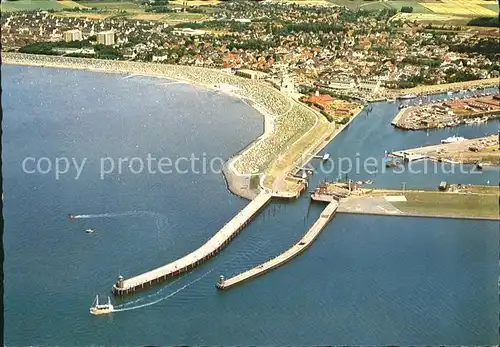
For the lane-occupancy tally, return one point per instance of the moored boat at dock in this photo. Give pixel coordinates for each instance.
(453, 139)
(407, 96)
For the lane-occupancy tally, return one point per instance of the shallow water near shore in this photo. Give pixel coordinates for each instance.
(366, 280)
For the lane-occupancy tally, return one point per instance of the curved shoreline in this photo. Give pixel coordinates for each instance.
(285, 120)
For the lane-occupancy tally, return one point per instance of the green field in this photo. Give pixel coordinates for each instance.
(27, 5)
(379, 5)
(113, 5)
(450, 204)
(493, 7)
(417, 8)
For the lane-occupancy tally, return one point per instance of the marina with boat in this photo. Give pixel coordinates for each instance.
(449, 113)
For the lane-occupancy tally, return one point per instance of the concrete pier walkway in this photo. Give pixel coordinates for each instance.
(298, 248)
(195, 258)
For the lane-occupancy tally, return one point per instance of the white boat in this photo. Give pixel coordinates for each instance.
(449, 92)
(453, 139)
(407, 96)
(391, 100)
(326, 156)
(369, 182)
(89, 231)
(97, 309)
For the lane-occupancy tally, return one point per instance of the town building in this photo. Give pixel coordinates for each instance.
(189, 32)
(342, 84)
(287, 84)
(322, 101)
(253, 75)
(73, 35)
(106, 37)
(369, 86)
(243, 20)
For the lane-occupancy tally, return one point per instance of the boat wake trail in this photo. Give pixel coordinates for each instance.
(122, 308)
(113, 215)
(150, 296)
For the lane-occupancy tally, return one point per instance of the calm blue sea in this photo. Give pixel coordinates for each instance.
(367, 280)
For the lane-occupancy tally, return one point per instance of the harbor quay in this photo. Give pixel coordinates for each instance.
(213, 246)
(311, 235)
(448, 200)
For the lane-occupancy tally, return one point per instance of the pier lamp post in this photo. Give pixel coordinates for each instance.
(119, 283)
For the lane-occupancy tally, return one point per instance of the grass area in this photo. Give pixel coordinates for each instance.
(434, 18)
(170, 17)
(194, 2)
(482, 189)
(491, 7)
(417, 7)
(29, 5)
(72, 4)
(181, 16)
(113, 5)
(295, 153)
(484, 156)
(89, 15)
(460, 8)
(311, 2)
(451, 204)
(379, 5)
(109, 7)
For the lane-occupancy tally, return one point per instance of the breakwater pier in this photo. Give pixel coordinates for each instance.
(213, 246)
(291, 253)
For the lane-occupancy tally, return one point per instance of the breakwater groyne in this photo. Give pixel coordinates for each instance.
(197, 257)
(286, 256)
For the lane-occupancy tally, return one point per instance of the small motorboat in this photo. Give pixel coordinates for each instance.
(70, 216)
(393, 164)
(369, 182)
(89, 231)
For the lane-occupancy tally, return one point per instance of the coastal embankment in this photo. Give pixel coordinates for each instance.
(286, 121)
